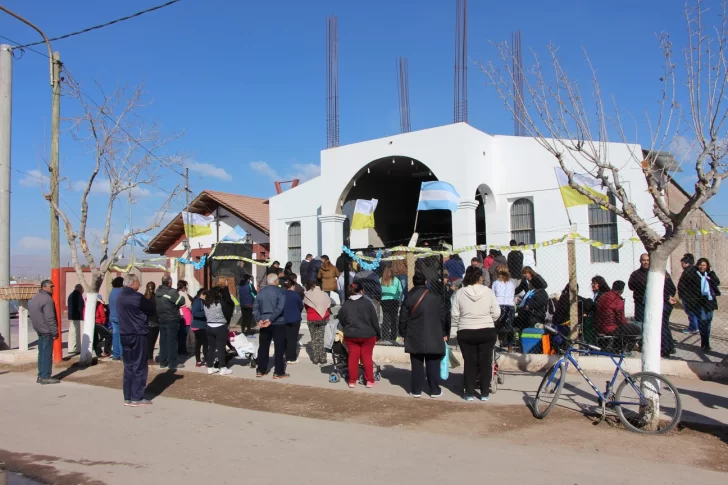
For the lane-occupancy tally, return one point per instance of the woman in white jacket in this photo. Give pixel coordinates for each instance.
(475, 310)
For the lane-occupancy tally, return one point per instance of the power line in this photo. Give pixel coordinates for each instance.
(96, 27)
(17, 46)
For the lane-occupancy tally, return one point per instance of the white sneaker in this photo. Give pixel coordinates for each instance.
(225, 371)
(212, 370)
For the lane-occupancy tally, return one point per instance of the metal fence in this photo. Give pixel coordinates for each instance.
(609, 309)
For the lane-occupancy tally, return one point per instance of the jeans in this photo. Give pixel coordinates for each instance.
(360, 349)
(134, 348)
(426, 365)
(115, 339)
(693, 324)
(705, 323)
(151, 342)
(216, 342)
(45, 356)
(200, 344)
(102, 340)
(477, 347)
(292, 330)
(276, 333)
(168, 344)
(182, 337)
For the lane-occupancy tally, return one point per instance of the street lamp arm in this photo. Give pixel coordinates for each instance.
(45, 39)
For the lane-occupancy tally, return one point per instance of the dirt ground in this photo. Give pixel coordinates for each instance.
(703, 448)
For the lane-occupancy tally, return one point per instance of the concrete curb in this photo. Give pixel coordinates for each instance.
(18, 357)
(604, 365)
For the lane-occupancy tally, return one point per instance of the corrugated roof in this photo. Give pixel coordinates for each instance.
(252, 210)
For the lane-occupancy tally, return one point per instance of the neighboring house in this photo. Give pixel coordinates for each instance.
(229, 210)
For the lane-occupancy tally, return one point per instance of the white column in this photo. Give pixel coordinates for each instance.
(463, 228)
(23, 325)
(332, 234)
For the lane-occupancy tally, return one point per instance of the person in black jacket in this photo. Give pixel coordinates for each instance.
(532, 308)
(423, 325)
(700, 287)
(303, 268)
(168, 305)
(75, 316)
(246, 296)
(515, 261)
(358, 318)
(134, 311)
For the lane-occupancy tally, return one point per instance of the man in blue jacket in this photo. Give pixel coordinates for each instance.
(268, 311)
(116, 286)
(133, 311)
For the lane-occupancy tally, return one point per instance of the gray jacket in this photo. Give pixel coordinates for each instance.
(43, 314)
(269, 305)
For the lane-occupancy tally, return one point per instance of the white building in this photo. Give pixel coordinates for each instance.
(508, 188)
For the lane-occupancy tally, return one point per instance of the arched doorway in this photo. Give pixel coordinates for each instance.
(486, 205)
(395, 182)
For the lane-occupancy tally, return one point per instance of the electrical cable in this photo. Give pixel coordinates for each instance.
(100, 26)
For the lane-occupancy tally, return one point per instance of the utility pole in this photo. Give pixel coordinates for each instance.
(55, 242)
(6, 79)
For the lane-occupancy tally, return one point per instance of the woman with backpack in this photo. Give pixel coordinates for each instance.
(423, 325)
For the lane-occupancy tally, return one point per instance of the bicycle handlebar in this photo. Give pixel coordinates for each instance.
(553, 331)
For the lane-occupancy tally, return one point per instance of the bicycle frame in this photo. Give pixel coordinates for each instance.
(617, 359)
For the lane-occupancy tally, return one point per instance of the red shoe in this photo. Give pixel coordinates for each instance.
(199, 364)
(370, 385)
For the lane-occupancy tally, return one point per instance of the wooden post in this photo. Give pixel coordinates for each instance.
(23, 325)
(410, 270)
(573, 289)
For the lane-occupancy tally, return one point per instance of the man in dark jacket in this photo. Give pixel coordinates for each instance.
(134, 311)
(268, 312)
(689, 289)
(75, 317)
(515, 261)
(423, 325)
(312, 271)
(303, 268)
(169, 302)
(342, 262)
(43, 317)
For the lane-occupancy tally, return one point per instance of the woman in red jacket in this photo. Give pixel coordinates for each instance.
(609, 318)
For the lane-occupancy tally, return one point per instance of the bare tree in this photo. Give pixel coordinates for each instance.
(127, 157)
(574, 129)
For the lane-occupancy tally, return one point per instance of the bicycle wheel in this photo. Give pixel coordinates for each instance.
(648, 403)
(549, 390)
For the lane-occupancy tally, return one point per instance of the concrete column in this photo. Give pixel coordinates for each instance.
(6, 58)
(463, 228)
(332, 234)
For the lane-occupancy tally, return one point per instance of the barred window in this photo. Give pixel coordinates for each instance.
(523, 227)
(294, 246)
(603, 228)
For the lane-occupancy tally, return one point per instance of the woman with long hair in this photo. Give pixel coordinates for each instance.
(153, 322)
(217, 331)
(475, 310)
(199, 327)
(532, 307)
(288, 269)
(185, 312)
(505, 292)
(599, 287)
(317, 304)
(391, 299)
(709, 291)
(358, 318)
(247, 294)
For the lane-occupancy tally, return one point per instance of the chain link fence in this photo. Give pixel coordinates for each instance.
(610, 284)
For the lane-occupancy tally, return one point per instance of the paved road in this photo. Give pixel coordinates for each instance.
(77, 434)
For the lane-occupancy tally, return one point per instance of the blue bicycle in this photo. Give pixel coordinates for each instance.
(644, 402)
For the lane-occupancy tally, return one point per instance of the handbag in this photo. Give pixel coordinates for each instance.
(445, 364)
(417, 305)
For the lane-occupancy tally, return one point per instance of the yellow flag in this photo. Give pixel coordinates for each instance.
(573, 197)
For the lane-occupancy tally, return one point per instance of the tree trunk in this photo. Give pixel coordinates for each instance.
(652, 333)
(89, 323)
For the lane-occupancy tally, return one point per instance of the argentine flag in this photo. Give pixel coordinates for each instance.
(438, 195)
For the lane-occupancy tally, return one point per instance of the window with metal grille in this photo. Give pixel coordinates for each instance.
(603, 228)
(294, 246)
(523, 226)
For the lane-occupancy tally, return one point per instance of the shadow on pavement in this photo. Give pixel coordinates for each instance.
(161, 383)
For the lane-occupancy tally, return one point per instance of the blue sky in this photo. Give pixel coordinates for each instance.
(245, 81)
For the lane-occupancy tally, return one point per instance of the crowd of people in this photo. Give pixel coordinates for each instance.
(493, 299)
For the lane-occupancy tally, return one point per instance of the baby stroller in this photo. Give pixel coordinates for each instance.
(340, 357)
(246, 348)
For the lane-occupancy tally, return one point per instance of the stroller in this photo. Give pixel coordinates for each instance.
(340, 357)
(245, 347)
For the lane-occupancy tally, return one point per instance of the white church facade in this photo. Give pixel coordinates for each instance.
(508, 188)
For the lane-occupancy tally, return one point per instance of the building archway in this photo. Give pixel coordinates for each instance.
(395, 182)
(486, 205)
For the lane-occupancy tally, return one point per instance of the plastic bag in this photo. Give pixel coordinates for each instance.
(243, 346)
(330, 333)
(445, 364)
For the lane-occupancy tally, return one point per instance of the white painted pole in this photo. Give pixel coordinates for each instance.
(23, 325)
(6, 75)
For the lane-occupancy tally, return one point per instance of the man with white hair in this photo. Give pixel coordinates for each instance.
(134, 311)
(268, 312)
